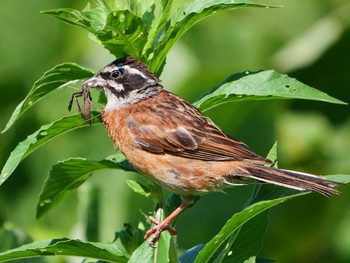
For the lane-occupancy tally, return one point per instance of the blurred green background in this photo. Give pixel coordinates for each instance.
(309, 40)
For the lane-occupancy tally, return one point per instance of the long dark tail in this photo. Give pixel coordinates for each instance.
(292, 179)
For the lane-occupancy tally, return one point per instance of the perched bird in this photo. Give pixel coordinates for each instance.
(175, 145)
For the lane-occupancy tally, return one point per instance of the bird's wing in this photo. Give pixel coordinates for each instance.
(174, 126)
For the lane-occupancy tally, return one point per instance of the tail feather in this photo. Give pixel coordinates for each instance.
(292, 179)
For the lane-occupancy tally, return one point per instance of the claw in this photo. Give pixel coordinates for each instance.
(157, 230)
(164, 225)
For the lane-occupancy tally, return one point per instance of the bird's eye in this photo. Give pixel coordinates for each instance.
(116, 73)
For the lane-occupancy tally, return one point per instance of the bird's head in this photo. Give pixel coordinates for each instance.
(124, 81)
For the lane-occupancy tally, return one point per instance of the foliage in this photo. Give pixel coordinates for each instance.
(147, 31)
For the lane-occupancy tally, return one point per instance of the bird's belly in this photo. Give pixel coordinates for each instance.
(180, 175)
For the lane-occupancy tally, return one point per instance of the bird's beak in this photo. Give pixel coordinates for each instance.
(94, 82)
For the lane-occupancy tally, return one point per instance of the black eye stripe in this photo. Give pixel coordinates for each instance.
(104, 75)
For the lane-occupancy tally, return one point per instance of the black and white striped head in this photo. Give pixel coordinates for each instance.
(124, 81)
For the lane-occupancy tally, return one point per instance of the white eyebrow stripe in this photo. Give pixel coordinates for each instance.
(134, 71)
(109, 68)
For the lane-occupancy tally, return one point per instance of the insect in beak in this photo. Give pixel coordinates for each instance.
(85, 93)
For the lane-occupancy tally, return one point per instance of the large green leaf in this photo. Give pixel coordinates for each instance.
(144, 29)
(184, 17)
(74, 17)
(246, 241)
(67, 247)
(261, 85)
(40, 137)
(55, 78)
(264, 201)
(233, 224)
(68, 175)
(121, 32)
(124, 34)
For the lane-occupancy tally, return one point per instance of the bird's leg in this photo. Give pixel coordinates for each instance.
(156, 222)
(165, 224)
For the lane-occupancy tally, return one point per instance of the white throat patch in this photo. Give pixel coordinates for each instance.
(115, 103)
(116, 86)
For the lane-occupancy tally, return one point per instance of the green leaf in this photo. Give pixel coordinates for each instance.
(261, 85)
(272, 154)
(110, 5)
(40, 137)
(68, 175)
(239, 219)
(140, 8)
(183, 18)
(124, 34)
(233, 224)
(163, 251)
(96, 16)
(73, 17)
(131, 238)
(139, 188)
(143, 29)
(159, 254)
(246, 242)
(121, 32)
(12, 237)
(55, 78)
(67, 247)
(250, 260)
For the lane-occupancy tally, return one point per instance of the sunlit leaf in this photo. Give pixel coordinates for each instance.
(261, 85)
(124, 34)
(68, 175)
(139, 188)
(40, 137)
(66, 247)
(73, 17)
(97, 17)
(110, 5)
(52, 79)
(183, 18)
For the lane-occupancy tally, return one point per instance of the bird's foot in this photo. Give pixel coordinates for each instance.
(158, 229)
(165, 224)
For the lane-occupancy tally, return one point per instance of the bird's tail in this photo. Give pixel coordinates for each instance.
(292, 179)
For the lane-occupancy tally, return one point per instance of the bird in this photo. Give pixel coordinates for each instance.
(175, 145)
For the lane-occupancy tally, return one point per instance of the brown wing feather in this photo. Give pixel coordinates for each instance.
(174, 126)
